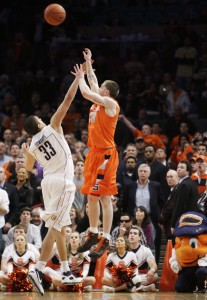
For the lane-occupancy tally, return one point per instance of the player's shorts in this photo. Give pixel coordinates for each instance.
(58, 194)
(100, 172)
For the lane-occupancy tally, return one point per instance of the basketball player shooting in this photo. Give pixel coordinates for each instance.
(102, 158)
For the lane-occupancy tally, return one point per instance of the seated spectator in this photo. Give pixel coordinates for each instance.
(146, 261)
(161, 156)
(78, 179)
(79, 264)
(156, 129)
(25, 191)
(202, 149)
(130, 150)
(116, 203)
(37, 220)
(75, 216)
(19, 229)
(145, 133)
(19, 259)
(193, 164)
(140, 145)
(143, 222)
(129, 173)
(200, 177)
(116, 263)
(180, 152)
(12, 217)
(15, 166)
(33, 232)
(3, 156)
(83, 223)
(121, 230)
(8, 140)
(184, 129)
(4, 209)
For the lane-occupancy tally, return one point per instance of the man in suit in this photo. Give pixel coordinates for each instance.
(146, 193)
(187, 193)
(166, 213)
(12, 217)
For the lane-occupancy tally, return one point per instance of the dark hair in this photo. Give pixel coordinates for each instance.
(203, 145)
(188, 166)
(131, 157)
(146, 219)
(26, 208)
(136, 228)
(125, 215)
(185, 135)
(31, 125)
(152, 146)
(112, 87)
(79, 160)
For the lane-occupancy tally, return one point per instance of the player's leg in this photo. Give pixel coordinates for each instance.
(93, 213)
(68, 277)
(36, 276)
(107, 211)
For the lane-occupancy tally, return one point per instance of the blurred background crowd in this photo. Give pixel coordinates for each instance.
(155, 49)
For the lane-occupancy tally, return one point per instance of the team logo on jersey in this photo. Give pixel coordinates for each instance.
(20, 261)
(95, 187)
(121, 264)
(74, 261)
(53, 217)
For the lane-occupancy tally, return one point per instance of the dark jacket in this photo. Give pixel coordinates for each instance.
(156, 200)
(185, 200)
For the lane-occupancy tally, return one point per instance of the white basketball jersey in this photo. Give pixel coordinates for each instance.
(52, 152)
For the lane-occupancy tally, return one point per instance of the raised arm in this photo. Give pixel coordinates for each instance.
(94, 97)
(30, 159)
(59, 115)
(128, 123)
(92, 79)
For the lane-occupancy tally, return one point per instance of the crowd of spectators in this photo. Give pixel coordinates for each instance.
(163, 83)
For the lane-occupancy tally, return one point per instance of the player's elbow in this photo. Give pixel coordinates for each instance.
(86, 95)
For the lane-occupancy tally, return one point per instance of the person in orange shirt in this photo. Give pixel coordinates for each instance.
(200, 177)
(184, 129)
(102, 159)
(145, 133)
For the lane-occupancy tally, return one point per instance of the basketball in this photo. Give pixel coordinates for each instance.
(54, 14)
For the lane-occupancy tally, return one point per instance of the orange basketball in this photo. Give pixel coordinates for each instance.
(54, 14)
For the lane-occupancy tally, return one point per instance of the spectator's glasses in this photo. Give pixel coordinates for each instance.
(125, 221)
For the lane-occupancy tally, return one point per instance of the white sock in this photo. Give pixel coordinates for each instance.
(40, 265)
(107, 235)
(64, 266)
(94, 229)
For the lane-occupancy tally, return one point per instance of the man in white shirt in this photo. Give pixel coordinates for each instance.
(33, 232)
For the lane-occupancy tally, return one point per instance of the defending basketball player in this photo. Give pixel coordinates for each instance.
(49, 147)
(102, 159)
